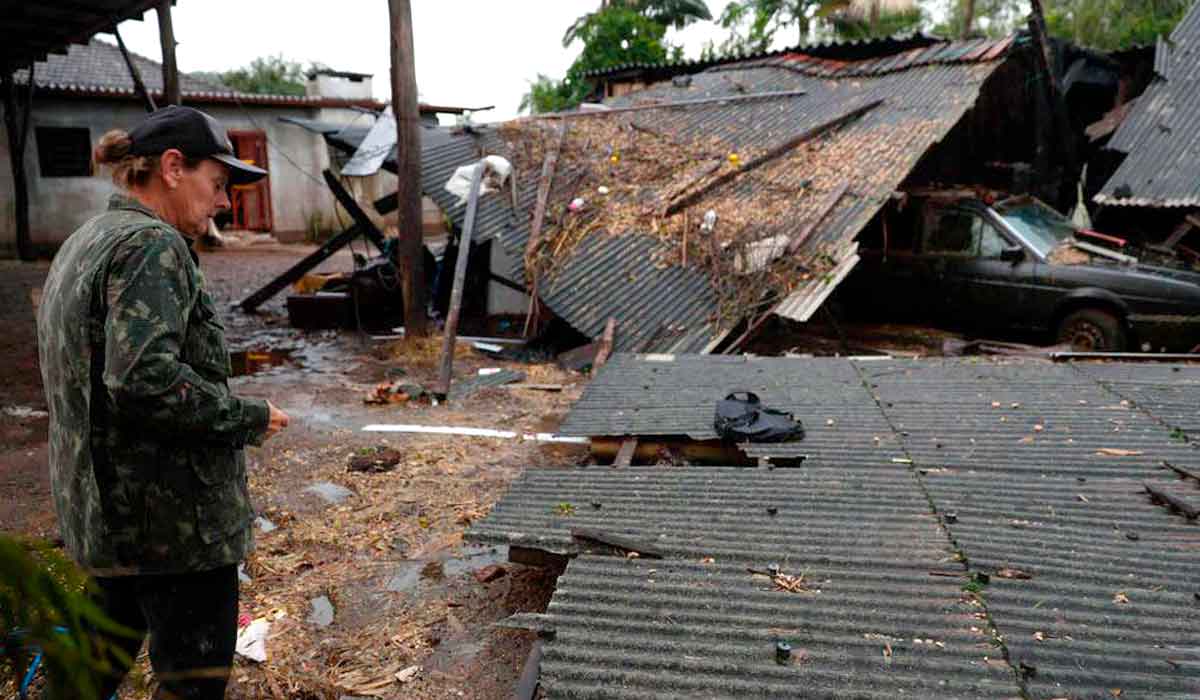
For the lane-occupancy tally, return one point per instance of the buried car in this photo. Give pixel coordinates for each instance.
(1019, 266)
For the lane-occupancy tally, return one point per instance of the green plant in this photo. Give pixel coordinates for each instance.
(564, 509)
(43, 596)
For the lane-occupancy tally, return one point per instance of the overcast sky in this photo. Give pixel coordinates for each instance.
(468, 52)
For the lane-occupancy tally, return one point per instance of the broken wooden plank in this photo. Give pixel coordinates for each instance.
(531, 674)
(625, 454)
(328, 248)
(460, 276)
(612, 539)
(1183, 473)
(549, 165)
(1175, 502)
(350, 204)
(822, 212)
(606, 344)
(771, 154)
(535, 387)
(670, 105)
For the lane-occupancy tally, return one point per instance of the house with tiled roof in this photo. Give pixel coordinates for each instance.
(83, 93)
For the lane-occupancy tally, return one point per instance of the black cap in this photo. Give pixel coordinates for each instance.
(193, 133)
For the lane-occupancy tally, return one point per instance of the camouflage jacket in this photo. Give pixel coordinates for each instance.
(146, 439)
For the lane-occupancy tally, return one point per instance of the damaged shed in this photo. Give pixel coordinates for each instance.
(1155, 191)
(689, 212)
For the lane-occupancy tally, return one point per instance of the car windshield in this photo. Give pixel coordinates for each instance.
(1044, 228)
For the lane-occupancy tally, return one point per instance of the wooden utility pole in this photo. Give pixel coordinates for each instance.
(134, 73)
(166, 36)
(16, 123)
(409, 254)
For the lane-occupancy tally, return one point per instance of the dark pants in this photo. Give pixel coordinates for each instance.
(192, 622)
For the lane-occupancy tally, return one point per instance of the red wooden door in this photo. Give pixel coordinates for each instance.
(251, 203)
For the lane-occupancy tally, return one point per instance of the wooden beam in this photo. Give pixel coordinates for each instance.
(625, 454)
(549, 164)
(827, 206)
(808, 135)
(669, 105)
(606, 344)
(170, 70)
(527, 685)
(409, 257)
(295, 272)
(361, 220)
(134, 73)
(1174, 502)
(460, 275)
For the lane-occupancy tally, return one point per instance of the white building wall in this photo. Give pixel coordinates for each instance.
(57, 206)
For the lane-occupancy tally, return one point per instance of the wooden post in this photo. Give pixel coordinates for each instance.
(606, 344)
(16, 122)
(1058, 102)
(409, 256)
(134, 73)
(166, 37)
(460, 274)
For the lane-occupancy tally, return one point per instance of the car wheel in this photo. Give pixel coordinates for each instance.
(1092, 330)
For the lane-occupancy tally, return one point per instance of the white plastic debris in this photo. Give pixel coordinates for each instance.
(577, 204)
(408, 674)
(252, 640)
(602, 189)
(24, 412)
(710, 221)
(486, 371)
(496, 174)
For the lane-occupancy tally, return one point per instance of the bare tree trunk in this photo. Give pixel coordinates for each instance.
(968, 17)
(166, 36)
(16, 122)
(409, 253)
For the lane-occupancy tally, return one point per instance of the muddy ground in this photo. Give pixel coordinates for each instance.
(388, 555)
(387, 552)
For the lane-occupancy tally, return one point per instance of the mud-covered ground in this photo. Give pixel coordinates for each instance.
(388, 556)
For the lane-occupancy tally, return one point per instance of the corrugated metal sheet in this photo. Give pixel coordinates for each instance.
(698, 624)
(656, 396)
(922, 94)
(1161, 135)
(1032, 418)
(1167, 392)
(1108, 608)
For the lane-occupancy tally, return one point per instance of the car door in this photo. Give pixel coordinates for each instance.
(980, 285)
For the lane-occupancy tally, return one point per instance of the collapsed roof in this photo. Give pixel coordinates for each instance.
(1161, 134)
(792, 153)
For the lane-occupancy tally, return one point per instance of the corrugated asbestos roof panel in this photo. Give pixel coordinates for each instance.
(1031, 418)
(1092, 584)
(698, 624)
(1161, 135)
(1166, 392)
(648, 395)
(1110, 603)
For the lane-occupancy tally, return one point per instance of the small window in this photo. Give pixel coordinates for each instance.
(955, 232)
(64, 151)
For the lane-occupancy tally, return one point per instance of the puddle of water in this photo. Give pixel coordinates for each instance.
(416, 573)
(246, 362)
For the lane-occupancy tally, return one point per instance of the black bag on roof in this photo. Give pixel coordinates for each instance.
(741, 417)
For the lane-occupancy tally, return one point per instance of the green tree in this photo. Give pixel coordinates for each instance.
(994, 18)
(1113, 24)
(42, 596)
(755, 24)
(674, 14)
(611, 37)
(269, 75)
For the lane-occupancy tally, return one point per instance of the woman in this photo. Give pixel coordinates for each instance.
(146, 459)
